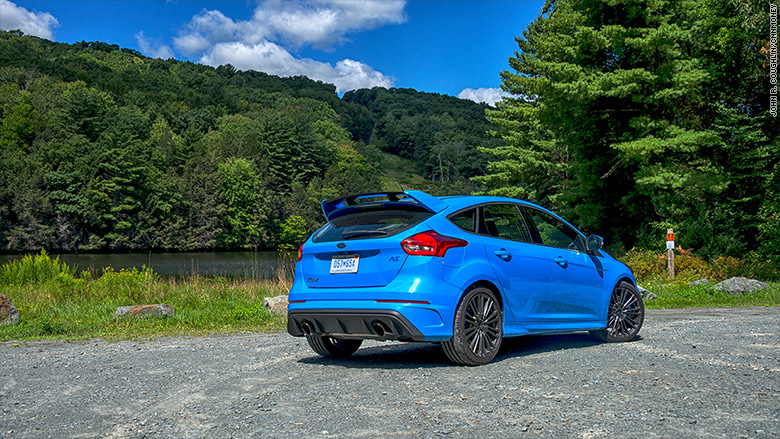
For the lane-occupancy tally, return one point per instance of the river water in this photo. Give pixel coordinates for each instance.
(263, 264)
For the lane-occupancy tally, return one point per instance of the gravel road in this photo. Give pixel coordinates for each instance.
(695, 373)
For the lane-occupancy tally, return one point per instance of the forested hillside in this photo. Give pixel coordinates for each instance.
(102, 148)
(437, 132)
(626, 118)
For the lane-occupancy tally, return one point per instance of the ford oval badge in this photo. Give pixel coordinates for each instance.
(341, 245)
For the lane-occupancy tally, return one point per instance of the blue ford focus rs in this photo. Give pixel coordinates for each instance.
(464, 271)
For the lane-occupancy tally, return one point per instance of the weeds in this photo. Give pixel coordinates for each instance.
(55, 301)
(35, 269)
(650, 265)
(649, 268)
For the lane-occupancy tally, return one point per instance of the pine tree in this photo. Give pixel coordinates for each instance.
(624, 118)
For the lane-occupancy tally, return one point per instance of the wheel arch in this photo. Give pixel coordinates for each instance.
(489, 285)
(624, 278)
(476, 272)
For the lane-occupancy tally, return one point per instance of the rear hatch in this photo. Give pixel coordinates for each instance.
(361, 244)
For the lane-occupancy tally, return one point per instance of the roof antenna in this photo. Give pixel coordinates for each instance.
(399, 184)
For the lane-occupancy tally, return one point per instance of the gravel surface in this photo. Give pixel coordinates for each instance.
(695, 373)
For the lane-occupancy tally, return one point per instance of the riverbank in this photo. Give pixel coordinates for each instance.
(57, 302)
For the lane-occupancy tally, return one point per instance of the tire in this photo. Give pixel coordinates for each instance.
(625, 315)
(332, 347)
(477, 330)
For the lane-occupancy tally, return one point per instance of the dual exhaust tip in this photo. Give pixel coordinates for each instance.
(307, 328)
(378, 327)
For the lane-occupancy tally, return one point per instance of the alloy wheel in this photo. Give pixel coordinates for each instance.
(625, 313)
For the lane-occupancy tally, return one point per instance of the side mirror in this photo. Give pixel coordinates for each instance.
(594, 243)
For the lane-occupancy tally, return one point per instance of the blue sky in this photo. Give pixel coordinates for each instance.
(451, 47)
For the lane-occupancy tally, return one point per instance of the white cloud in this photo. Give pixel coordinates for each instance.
(261, 43)
(323, 22)
(191, 44)
(487, 95)
(293, 22)
(266, 56)
(352, 75)
(296, 27)
(213, 26)
(273, 59)
(154, 50)
(14, 17)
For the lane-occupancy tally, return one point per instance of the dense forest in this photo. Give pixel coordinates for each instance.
(102, 149)
(631, 117)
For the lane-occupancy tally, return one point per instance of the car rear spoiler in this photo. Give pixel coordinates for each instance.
(336, 207)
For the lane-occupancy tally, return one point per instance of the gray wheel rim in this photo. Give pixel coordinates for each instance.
(482, 324)
(624, 315)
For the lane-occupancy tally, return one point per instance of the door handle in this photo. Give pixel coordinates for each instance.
(504, 254)
(561, 261)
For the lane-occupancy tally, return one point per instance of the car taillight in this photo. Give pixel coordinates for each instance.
(300, 253)
(430, 243)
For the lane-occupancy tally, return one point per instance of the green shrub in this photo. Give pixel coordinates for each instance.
(645, 264)
(689, 267)
(649, 265)
(724, 267)
(766, 268)
(36, 269)
(251, 312)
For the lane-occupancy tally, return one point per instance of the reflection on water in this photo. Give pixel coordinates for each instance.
(230, 264)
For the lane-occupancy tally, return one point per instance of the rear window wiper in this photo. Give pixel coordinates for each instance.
(354, 233)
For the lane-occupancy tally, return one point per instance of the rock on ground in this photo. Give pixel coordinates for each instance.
(144, 311)
(277, 305)
(700, 282)
(9, 315)
(740, 285)
(646, 294)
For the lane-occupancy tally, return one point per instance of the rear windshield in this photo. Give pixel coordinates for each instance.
(371, 223)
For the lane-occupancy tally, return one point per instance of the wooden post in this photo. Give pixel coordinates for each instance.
(670, 252)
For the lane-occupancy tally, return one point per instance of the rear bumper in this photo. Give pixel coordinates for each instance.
(353, 323)
(415, 306)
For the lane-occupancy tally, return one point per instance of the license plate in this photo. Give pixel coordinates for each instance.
(344, 264)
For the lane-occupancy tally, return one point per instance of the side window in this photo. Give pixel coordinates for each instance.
(554, 232)
(504, 221)
(466, 220)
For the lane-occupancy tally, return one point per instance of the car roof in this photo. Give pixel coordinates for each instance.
(457, 202)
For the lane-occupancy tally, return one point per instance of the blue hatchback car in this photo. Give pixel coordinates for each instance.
(463, 271)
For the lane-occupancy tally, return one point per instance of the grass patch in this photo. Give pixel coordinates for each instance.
(679, 294)
(55, 301)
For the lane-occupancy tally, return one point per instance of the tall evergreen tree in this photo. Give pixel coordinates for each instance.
(619, 117)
